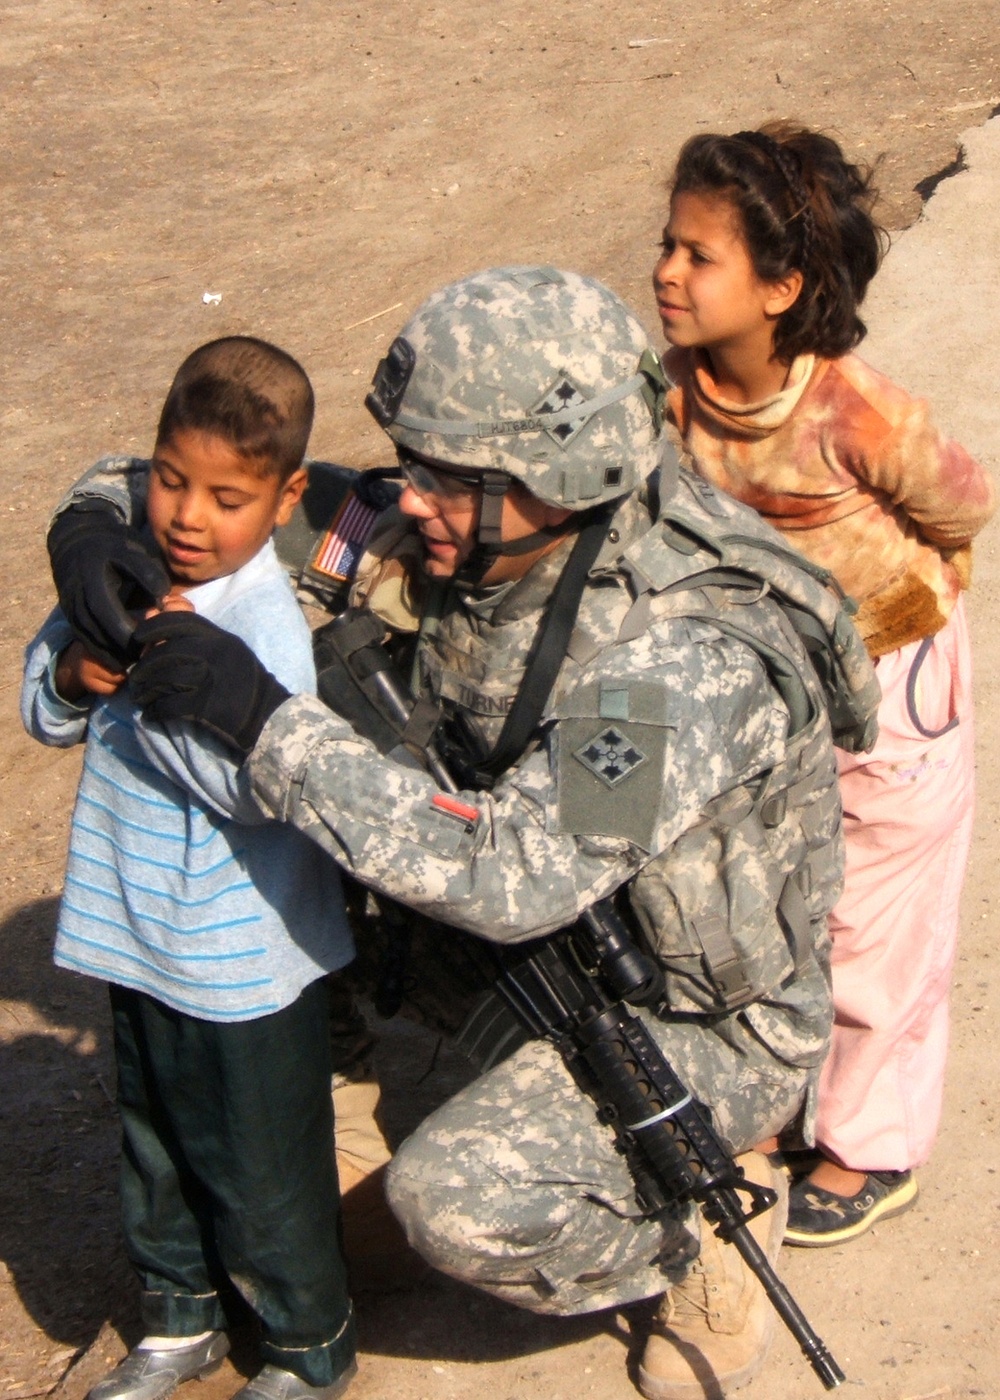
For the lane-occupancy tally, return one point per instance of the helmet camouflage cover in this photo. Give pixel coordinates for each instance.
(541, 374)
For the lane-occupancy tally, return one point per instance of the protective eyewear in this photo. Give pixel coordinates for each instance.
(436, 481)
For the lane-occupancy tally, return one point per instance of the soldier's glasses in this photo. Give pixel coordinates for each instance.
(436, 481)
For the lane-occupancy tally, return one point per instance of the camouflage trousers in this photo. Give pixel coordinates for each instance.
(515, 1187)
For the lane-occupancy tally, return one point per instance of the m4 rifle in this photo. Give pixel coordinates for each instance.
(575, 988)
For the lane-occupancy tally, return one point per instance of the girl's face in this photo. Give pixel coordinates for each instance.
(707, 291)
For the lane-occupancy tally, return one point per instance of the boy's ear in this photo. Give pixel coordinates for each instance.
(783, 293)
(291, 493)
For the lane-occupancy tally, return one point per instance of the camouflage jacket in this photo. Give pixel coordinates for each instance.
(662, 764)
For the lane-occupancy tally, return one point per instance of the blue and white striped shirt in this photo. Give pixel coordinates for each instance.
(176, 884)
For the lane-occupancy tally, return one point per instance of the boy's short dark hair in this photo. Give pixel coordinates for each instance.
(248, 392)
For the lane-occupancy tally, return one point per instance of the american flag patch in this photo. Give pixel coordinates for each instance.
(344, 542)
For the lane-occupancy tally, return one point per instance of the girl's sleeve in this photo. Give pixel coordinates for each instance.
(45, 714)
(944, 491)
(201, 764)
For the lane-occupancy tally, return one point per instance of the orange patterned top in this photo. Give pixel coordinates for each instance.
(850, 468)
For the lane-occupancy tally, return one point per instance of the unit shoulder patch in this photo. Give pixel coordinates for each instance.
(611, 742)
(610, 756)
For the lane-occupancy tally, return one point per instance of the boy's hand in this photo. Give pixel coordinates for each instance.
(78, 674)
(192, 670)
(97, 562)
(173, 602)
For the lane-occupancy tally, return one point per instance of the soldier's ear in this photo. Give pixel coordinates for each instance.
(532, 511)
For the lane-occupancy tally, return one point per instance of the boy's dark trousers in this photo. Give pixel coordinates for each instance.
(228, 1171)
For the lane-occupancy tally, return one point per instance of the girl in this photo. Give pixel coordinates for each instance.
(767, 254)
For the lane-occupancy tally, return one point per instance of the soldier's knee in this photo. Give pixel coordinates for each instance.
(427, 1206)
(405, 1195)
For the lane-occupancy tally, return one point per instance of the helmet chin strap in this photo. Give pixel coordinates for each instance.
(490, 544)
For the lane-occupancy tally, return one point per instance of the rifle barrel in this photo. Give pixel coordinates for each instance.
(813, 1347)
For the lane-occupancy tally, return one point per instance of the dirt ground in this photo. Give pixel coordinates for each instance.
(309, 173)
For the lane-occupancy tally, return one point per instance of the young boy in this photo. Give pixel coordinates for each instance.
(212, 926)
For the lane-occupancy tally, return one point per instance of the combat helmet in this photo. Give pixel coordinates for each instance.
(542, 375)
(525, 374)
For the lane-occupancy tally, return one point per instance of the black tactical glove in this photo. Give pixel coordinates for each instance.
(101, 568)
(193, 670)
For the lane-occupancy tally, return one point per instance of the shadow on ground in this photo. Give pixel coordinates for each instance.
(58, 1142)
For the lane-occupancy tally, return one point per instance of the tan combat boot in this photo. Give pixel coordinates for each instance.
(713, 1330)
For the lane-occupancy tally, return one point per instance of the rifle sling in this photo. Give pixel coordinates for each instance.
(548, 651)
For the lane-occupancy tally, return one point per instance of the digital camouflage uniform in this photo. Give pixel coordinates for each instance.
(513, 1185)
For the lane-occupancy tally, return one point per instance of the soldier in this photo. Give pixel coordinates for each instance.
(611, 740)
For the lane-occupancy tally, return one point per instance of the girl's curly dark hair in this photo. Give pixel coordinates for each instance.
(802, 207)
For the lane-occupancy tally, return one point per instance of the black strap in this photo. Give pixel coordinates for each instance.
(548, 651)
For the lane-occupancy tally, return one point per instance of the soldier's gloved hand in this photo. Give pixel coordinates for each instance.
(101, 567)
(192, 670)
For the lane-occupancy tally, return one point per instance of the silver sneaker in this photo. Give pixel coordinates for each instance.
(272, 1383)
(153, 1375)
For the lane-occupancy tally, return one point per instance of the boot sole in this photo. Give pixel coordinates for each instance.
(885, 1209)
(337, 1388)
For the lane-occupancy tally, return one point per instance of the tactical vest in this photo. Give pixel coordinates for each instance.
(737, 907)
(738, 904)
